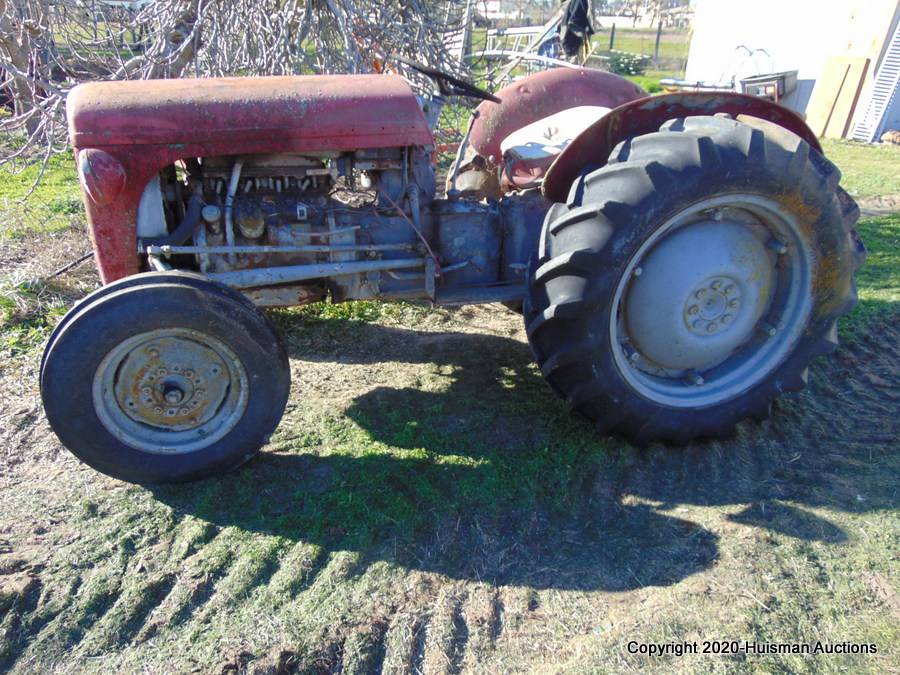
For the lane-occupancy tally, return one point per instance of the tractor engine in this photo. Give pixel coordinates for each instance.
(365, 224)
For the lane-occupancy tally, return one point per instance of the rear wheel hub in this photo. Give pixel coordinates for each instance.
(700, 292)
(712, 301)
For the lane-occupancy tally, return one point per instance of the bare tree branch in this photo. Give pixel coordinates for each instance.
(49, 46)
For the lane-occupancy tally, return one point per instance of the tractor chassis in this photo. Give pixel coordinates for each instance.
(464, 252)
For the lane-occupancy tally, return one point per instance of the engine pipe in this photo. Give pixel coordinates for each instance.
(229, 200)
(271, 276)
(453, 193)
(305, 248)
(185, 228)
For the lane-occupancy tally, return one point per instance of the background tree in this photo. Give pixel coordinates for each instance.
(49, 46)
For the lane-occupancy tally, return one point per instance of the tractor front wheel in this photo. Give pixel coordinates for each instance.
(165, 380)
(693, 278)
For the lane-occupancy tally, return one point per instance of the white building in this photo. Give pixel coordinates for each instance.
(733, 39)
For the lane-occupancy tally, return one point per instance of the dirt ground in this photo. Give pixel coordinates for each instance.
(879, 206)
(427, 505)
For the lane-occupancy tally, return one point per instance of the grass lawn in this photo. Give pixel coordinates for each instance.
(428, 505)
(878, 281)
(649, 81)
(55, 204)
(868, 170)
(673, 45)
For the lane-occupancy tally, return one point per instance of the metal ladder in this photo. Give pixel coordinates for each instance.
(883, 93)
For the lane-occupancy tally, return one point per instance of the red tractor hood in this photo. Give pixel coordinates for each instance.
(293, 113)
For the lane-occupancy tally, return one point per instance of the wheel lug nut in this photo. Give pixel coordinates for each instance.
(693, 309)
(733, 303)
(153, 353)
(189, 373)
(777, 245)
(715, 285)
(182, 411)
(162, 371)
(157, 410)
(700, 293)
(729, 289)
(712, 327)
(767, 329)
(726, 318)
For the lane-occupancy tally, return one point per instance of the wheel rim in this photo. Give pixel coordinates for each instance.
(170, 391)
(713, 302)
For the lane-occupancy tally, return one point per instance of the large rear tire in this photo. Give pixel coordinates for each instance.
(693, 278)
(165, 380)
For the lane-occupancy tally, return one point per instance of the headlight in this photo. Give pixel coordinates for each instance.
(102, 176)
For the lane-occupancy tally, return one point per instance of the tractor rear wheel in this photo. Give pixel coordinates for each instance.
(165, 380)
(693, 278)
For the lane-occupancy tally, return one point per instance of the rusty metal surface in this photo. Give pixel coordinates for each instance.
(144, 379)
(270, 276)
(170, 391)
(543, 94)
(288, 114)
(645, 116)
(147, 125)
(102, 176)
(285, 296)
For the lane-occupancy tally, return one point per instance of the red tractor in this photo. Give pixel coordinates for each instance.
(679, 259)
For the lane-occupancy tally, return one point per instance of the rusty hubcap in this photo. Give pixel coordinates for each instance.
(170, 391)
(713, 301)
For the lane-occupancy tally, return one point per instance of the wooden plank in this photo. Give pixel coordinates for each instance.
(836, 93)
(842, 114)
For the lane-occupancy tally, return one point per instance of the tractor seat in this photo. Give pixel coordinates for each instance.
(528, 152)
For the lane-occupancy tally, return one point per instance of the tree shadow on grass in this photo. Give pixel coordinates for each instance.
(487, 476)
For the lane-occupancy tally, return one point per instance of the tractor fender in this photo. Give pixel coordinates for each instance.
(540, 95)
(643, 116)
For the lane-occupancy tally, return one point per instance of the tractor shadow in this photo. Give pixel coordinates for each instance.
(481, 473)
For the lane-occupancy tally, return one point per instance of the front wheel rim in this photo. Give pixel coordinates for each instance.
(170, 391)
(712, 302)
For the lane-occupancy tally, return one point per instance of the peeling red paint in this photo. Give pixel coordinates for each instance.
(147, 125)
(544, 94)
(101, 175)
(292, 113)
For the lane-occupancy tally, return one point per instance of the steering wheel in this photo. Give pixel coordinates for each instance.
(447, 84)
